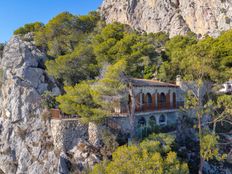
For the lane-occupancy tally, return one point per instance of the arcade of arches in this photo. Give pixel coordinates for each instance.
(161, 120)
(158, 101)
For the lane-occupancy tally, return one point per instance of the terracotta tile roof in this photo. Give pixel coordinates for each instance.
(155, 83)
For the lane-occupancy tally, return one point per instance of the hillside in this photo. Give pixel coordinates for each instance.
(83, 95)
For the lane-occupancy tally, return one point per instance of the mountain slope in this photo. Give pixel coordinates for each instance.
(172, 16)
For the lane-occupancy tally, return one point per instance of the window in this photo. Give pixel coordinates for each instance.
(142, 121)
(149, 99)
(162, 120)
(162, 100)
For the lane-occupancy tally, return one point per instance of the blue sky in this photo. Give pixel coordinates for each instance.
(16, 13)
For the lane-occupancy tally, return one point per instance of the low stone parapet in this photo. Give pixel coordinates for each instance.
(58, 115)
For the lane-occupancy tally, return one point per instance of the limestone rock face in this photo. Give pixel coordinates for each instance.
(68, 133)
(171, 16)
(30, 144)
(94, 132)
(84, 155)
(26, 143)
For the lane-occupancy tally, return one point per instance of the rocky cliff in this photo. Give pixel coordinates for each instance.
(30, 142)
(171, 16)
(26, 144)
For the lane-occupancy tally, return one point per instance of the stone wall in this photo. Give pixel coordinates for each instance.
(155, 91)
(79, 145)
(122, 123)
(94, 134)
(174, 98)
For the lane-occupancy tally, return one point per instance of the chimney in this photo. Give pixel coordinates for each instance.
(178, 80)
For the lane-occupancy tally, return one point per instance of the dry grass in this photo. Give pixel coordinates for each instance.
(22, 133)
(46, 115)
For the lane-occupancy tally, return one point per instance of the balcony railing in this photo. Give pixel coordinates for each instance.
(58, 115)
(159, 107)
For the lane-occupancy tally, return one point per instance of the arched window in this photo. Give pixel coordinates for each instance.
(149, 100)
(162, 120)
(162, 100)
(142, 121)
(144, 102)
(152, 121)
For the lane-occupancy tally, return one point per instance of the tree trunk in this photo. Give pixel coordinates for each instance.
(214, 127)
(201, 166)
(200, 136)
(131, 110)
(200, 133)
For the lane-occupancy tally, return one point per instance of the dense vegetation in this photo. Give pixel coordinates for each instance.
(81, 46)
(63, 33)
(153, 155)
(93, 60)
(187, 55)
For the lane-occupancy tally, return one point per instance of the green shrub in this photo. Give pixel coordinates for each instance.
(48, 100)
(27, 28)
(62, 33)
(150, 156)
(110, 144)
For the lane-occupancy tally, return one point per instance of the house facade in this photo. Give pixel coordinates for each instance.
(156, 103)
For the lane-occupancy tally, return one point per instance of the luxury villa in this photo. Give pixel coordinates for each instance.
(156, 102)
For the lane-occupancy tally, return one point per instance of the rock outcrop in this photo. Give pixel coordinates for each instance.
(76, 144)
(31, 143)
(26, 143)
(68, 133)
(171, 16)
